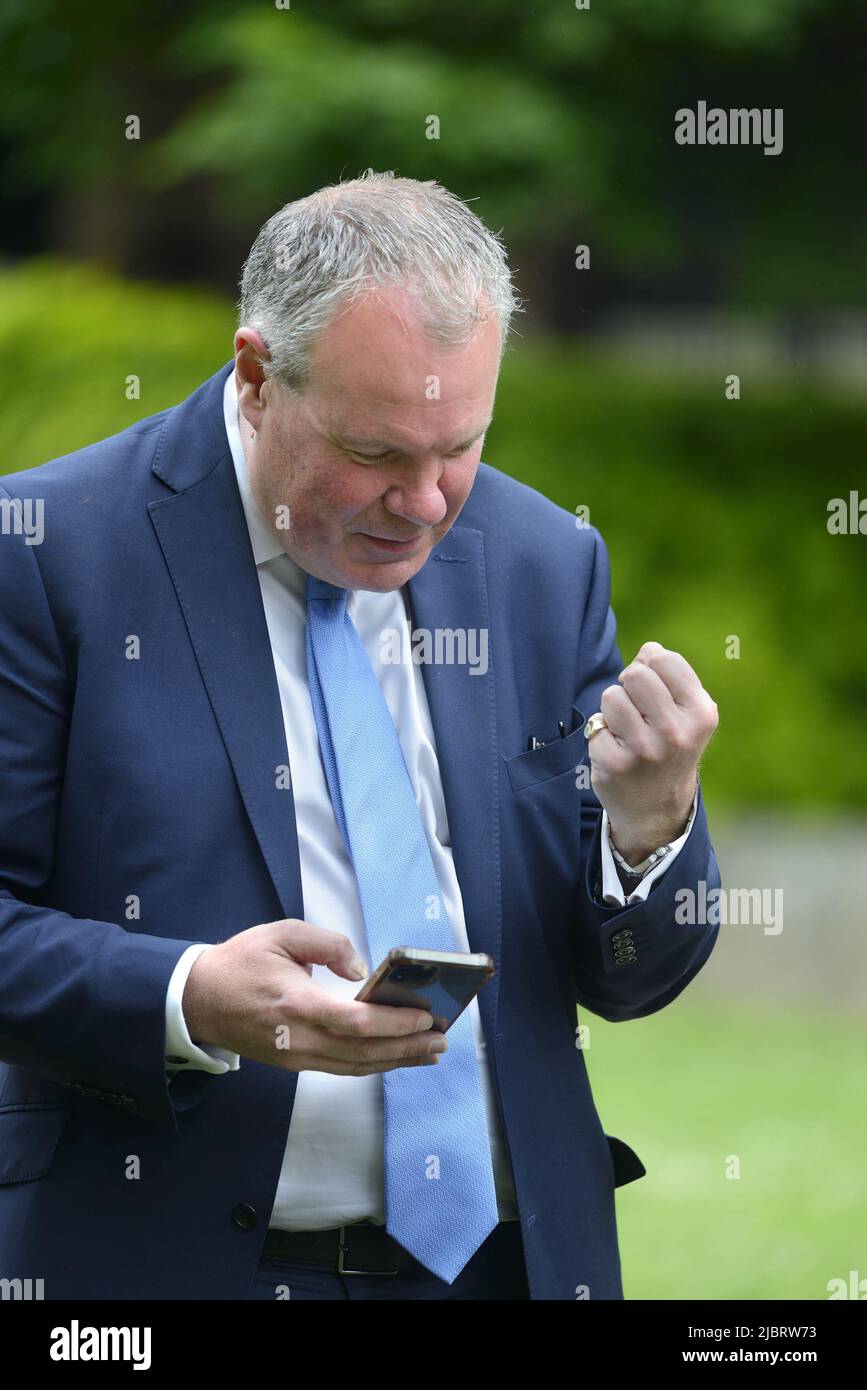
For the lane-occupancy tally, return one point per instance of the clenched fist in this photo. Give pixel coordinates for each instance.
(644, 765)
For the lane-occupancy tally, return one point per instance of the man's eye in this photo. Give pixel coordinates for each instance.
(380, 458)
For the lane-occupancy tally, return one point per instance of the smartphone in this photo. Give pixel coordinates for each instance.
(442, 982)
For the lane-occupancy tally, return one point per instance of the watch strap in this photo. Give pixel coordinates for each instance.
(639, 870)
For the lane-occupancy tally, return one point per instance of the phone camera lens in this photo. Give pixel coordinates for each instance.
(414, 976)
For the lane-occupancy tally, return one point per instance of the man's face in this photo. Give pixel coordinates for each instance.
(381, 447)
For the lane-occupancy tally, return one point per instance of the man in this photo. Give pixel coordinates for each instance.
(228, 791)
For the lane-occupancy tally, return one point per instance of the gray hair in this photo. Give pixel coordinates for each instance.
(316, 255)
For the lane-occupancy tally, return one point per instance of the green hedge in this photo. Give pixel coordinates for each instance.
(714, 511)
(715, 515)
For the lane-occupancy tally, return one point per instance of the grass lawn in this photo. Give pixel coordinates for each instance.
(784, 1093)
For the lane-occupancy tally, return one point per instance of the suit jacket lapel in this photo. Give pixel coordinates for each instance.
(450, 591)
(204, 538)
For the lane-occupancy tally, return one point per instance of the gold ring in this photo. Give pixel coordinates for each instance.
(593, 725)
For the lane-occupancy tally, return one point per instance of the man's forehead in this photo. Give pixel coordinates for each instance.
(436, 434)
(376, 349)
(394, 424)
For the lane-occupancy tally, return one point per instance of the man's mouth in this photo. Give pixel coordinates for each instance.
(387, 543)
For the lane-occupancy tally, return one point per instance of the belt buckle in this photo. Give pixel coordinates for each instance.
(342, 1247)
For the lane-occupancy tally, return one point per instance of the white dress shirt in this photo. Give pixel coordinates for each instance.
(332, 1172)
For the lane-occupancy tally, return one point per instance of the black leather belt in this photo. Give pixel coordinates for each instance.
(358, 1249)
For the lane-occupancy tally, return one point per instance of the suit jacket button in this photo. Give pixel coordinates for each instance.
(244, 1216)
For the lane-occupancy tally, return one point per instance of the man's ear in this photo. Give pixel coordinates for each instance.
(251, 352)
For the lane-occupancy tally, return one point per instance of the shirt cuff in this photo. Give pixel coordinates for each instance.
(612, 889)
(182, 1054)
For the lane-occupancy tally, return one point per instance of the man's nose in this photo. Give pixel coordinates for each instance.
(422, 504)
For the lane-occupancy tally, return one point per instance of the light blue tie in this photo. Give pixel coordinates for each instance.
(440, 1202)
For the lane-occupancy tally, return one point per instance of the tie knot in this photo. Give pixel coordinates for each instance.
(320, 590)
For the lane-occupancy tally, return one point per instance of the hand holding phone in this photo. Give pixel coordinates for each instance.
(442, 982)
(254, 994)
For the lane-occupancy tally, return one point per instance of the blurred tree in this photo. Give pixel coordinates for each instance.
(558, 121)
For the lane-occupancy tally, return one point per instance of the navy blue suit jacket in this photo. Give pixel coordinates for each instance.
(156, 778)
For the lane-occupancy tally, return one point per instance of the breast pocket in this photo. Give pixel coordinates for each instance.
(29, 1136)
(553, 759)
